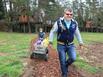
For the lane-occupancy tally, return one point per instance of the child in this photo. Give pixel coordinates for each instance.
(41, 37)
(41, 34)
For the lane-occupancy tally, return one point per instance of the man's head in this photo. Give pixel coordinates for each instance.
(68, 14)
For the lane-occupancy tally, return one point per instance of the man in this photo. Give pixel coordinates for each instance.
(66, 27)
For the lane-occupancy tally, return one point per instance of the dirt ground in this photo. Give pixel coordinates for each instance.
(93, 54)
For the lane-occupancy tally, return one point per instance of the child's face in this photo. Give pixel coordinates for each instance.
(41, 29)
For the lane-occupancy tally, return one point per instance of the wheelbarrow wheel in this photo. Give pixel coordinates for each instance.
(46, 57)
(32, 56)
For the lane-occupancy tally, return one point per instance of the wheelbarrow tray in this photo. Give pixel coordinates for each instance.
(40, 52)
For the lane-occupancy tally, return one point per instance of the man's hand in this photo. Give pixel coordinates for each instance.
(50, 45)
(81, 46)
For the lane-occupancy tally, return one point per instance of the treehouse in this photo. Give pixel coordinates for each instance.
(23, 19)
(31, 23)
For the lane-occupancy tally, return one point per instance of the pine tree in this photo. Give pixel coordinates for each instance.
(1, 10)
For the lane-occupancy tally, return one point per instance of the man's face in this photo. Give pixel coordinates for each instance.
(68, 15)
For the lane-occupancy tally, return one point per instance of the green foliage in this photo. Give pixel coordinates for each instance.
(15, 48)
(10, 66)
(81, 64)
(89, 38)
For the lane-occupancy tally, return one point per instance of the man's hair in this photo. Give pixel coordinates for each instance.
(68, 9)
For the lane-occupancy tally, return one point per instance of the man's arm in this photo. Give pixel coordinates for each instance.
(78, 35)
(53, 30)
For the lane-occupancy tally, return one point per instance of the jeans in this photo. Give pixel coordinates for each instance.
(64, 50)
